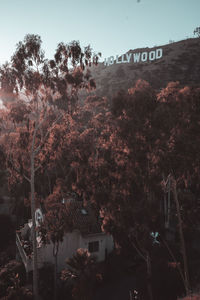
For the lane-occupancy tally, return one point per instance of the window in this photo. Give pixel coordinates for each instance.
(93, 246)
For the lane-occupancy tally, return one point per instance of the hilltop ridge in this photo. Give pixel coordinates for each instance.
(180, 61)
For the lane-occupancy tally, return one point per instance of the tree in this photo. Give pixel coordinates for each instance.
(112, 170)
(39, 86)
(57, 222)
(81, 272)
(197, 31)
(17, 292)
(176, 151)
(12, 281)
(147, 137)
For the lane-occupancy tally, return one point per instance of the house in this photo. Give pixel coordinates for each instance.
(86, 233)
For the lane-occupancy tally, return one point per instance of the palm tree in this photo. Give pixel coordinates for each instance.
(81, 274)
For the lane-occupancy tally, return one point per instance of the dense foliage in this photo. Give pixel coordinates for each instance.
(116, 153)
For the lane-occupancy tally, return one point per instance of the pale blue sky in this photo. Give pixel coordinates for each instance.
(110, 26)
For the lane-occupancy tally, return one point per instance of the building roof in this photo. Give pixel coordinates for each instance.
(83, 217)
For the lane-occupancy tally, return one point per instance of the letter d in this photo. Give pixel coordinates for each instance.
(159, 53)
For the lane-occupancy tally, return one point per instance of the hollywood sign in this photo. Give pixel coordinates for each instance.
(135, 57)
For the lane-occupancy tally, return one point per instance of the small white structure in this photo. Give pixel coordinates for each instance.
(86, 234)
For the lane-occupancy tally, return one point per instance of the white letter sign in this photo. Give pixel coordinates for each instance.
(152, 55)
(117, 60)
(158, 53)
(144, 56)
(135, 57)
(128, 57)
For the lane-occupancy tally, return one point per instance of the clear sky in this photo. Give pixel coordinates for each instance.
(109, 26)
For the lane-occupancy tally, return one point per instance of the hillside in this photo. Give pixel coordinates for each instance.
(180, 62)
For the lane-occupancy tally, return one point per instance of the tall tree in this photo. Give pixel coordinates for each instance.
(148, 136)
(57, 222)
(176, 151)
(39, 87)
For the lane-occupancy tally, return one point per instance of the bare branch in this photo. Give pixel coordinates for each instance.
(138, 251)
(18, 170)
(173, 257)
(36, 151)
(28, 179)
(38, 167)
(136, 248)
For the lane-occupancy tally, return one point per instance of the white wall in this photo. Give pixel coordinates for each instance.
(73, 241)
(101, 238)
(109, 243)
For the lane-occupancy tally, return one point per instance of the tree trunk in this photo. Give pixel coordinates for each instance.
(147, 260)
(35, 269)
(55, 254)
(149, 276)
(168, 203)
(55, 278)
(182, 240)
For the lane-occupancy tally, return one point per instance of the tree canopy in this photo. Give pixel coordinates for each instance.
(115, 153)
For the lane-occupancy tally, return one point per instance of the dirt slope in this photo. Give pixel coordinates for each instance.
(180, 62)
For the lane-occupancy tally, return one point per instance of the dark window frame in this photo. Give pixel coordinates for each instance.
(93, 246)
